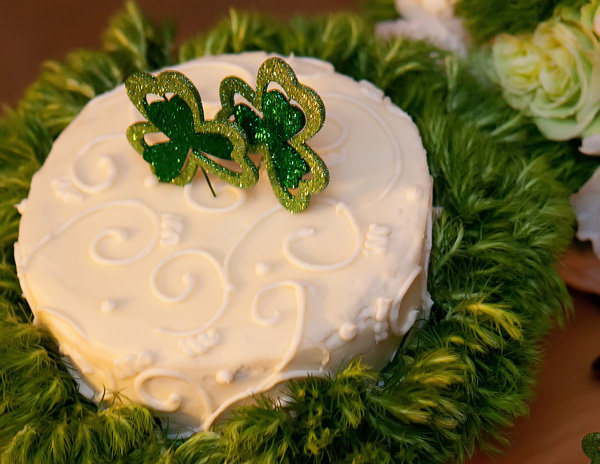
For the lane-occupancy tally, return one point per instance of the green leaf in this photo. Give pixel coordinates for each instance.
(173, 118)
(591, 447)
(281, 119)
(167, 159)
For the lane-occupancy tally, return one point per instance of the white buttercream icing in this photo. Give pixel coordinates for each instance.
(189, 303)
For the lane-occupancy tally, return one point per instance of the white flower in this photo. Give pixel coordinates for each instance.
(430, 20)
(590, 145)
(586, 204)
(553, 75)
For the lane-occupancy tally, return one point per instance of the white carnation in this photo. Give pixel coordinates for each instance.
(430, 20)
(586, 204)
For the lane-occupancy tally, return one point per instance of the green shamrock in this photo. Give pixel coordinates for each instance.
(591, 447)
(294, 169)
(192, 142)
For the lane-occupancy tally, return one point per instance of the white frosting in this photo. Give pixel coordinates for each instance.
(224, 377)
(108, 306)
(65, 190)
(189, 303)
(171, 227)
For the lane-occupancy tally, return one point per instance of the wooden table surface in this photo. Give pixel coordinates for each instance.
(567, 398)
(32, 31)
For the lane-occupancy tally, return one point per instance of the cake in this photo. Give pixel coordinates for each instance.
(190, 304)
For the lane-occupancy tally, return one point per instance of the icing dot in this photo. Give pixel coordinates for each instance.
(21, 206)
(414, 193)
(186, 348)
(108, 306)
(379, 337)
(144, 359)
(150, 181)
(65, 190)
(383, 306)
(262, 268)
(348, 331)
(381, 331)
(224, 377)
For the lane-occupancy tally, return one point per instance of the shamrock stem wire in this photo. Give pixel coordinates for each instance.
(209, 184)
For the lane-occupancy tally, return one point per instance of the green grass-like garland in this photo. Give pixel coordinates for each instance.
(486, 19)
(452, 385)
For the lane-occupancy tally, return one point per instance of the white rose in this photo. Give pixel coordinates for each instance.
(553, 75)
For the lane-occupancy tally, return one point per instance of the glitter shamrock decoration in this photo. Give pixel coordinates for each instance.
(279, 129)
(192, 142)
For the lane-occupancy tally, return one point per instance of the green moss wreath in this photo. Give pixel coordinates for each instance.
(467, 372)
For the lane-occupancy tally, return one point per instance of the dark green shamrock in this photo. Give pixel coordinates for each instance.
(280, 122)
(174, 119)
(192, 142)
(294, 169)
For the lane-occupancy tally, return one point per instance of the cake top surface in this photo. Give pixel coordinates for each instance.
(189, 302)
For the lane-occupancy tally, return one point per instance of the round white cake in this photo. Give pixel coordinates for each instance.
(190, 303)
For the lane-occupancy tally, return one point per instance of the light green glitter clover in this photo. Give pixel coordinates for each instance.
(294, 169)
(193, 142)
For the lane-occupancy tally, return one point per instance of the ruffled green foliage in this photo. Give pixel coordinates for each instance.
(379, 10)
(453, 383)
(135, 43)
(131, 44)
(42, 417)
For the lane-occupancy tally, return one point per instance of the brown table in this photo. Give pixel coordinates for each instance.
(32, 31)
(567, 401)
(567, 397)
